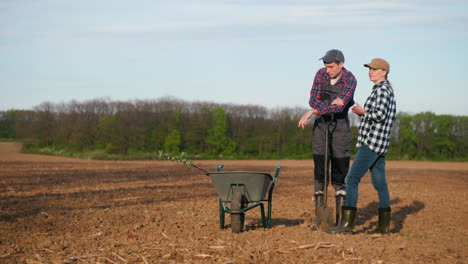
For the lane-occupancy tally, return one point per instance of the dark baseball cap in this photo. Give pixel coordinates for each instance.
(333, 55)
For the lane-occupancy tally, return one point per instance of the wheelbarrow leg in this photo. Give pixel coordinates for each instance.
(264, 220)
(270, 196)
(221, 207)
(221, 214)
(269, 214)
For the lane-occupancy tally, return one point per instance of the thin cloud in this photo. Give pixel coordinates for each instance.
(381, 6)
(166, 27)
(219, 20)
(298, 13)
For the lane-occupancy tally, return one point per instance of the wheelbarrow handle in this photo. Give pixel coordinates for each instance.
(273, 183)
(278, 168)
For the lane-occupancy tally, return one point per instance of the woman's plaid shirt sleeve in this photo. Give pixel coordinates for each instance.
(378, 111)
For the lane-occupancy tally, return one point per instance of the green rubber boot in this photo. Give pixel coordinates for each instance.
(346, 225)
(339, 200)
(384, 222)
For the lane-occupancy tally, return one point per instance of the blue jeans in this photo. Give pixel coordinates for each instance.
(366, 159)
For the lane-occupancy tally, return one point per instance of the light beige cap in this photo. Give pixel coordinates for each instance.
(378, 63)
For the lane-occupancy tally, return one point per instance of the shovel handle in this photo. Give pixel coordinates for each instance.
(325, 176)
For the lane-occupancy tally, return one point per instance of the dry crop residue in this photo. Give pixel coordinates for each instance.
(62, 210)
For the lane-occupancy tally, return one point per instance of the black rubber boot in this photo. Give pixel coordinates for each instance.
(340, 200)
(318, 203)
(348, 214)
(384, 222)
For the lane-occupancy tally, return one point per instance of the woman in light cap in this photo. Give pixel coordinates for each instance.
(377, 119)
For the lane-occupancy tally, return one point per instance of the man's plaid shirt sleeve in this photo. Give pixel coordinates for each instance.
(346, 95)
(316, 91)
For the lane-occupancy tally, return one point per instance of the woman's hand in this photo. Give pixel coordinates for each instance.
(357, 109)
(303, 121)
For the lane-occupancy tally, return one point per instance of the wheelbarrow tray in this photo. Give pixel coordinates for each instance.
(254, 184)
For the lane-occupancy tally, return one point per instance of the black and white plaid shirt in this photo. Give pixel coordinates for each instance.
(377, 122)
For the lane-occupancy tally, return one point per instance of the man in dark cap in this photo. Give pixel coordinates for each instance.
(331, 97)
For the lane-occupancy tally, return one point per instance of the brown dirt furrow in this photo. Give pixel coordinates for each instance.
(63, 210)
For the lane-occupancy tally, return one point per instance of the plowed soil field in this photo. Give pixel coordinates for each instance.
(63, 210)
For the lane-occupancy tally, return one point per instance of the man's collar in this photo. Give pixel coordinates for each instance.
(341, 78)
(338, 76)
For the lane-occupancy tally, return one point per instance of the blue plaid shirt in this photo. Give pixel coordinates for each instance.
(377, 122)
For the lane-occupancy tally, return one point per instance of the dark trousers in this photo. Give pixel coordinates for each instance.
(339, 147)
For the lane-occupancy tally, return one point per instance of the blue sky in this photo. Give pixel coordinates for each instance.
(241, 52)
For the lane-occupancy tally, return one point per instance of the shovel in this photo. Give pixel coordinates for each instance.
(325, 217)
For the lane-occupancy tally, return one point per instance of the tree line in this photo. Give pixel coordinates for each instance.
(206, 130)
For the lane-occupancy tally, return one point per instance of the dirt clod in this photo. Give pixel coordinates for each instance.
(63, 210)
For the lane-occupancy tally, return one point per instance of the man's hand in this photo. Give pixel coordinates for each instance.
(338, 101)
(357, 109)
(303, 121)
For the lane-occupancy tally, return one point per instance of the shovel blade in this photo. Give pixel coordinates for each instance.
(325, 217)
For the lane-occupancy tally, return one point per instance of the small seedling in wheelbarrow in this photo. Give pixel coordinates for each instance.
(181, 158)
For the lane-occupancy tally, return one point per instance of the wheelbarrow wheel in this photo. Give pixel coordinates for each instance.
(237, 219)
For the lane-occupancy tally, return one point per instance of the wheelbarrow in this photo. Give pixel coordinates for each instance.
(241, 191)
